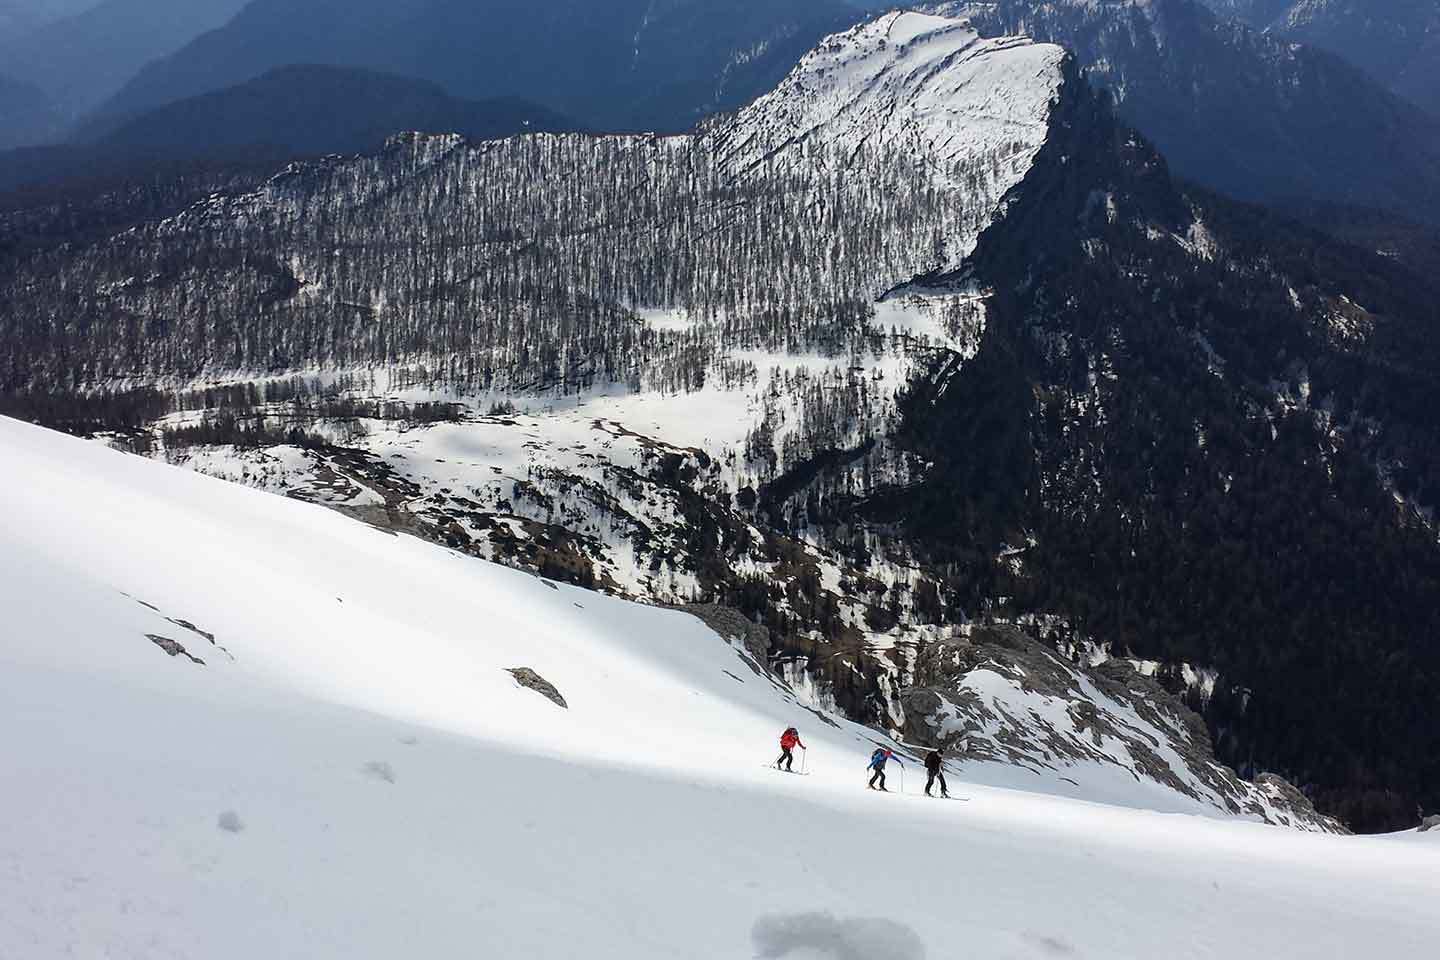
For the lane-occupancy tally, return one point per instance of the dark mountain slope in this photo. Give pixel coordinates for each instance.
(1397, 41)
(17, 20)
(308, 110)
(607, 63)
(1216, 429)
(26, 114)
(1250, 115)
(290, 113)
(20, 17)
(83, 59)
(1397, 237)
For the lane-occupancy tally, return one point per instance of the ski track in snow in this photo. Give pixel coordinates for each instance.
(364, 779)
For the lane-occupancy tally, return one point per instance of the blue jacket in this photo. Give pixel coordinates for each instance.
(878, 758)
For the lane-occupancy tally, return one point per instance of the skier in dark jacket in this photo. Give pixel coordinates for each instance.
(789, 740)
(933, 767)
(877, 763)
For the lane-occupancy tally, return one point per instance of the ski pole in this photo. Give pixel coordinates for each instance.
(804, 756)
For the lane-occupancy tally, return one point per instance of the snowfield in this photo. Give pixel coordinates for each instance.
(353, 773)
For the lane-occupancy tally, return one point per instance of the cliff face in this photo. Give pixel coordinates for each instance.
(996, 701)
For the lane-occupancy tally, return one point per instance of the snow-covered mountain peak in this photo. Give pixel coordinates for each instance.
(976, 109)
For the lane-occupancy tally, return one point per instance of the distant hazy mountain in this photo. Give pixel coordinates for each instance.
(26, 114)
(1397, 41)
(607, 63)
(20, 16)
(320, 109)
(16, 21)
(295, 111)
(1253, 115)
(82, 59)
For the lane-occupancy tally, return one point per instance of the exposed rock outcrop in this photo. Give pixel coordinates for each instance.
(990, 693)
(173, 647)
(531, 680)
(733, 626)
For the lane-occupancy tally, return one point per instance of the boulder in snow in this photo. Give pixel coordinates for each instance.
(733, 625)
(531, 680)
(173, 647)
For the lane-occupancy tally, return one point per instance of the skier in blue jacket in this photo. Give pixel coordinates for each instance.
(877, 763)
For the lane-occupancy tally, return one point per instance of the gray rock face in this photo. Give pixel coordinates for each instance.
(733, 625)
(1289, 796)
(531, 680)
(173, 647)
(991, 694)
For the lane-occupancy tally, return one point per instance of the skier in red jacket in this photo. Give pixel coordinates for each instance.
(789, 740)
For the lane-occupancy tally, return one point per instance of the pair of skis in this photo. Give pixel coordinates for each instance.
(804, 773)
(793, 773)
(799, 773)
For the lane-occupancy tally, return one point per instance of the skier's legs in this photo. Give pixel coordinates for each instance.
(877, 775)
(930, 782)
(944, 790)
(789, 761)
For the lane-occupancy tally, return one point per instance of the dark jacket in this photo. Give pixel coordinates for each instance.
(933, 761)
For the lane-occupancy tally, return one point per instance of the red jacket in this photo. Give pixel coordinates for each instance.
(788, 741)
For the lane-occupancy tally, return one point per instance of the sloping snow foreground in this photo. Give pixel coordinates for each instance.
(352, 772)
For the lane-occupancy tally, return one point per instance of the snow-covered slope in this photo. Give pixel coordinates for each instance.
(501, 486)
(976, 109)
(352, 771)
